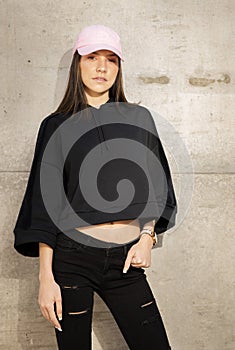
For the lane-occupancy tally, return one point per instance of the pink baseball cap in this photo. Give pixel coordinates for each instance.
(97, 37)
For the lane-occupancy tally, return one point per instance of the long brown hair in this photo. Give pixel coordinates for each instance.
(75, 99)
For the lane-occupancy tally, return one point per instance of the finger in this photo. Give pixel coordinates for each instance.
(59, 309)
(137, 265)
(46, 314)
(144, 263)
(136, 260)
(53, 318)
(127, 262)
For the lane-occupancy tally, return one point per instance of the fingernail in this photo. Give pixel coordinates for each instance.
(125, 270)
(60, 318)
(59, 329)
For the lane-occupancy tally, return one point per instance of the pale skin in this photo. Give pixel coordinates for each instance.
(102, 63)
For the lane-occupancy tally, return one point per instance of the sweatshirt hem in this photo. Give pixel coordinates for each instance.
(27, 243)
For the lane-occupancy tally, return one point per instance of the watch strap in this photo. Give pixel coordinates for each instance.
(150, 233)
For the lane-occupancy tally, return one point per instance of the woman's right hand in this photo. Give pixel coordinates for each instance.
(49, 293)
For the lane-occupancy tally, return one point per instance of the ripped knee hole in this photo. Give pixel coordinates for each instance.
(75, 312)
(70, 287)
(147, 304)
(78, 312)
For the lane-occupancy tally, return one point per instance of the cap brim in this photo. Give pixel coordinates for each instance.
(92, 48)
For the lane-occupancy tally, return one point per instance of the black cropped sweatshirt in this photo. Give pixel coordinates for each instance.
(92, 167)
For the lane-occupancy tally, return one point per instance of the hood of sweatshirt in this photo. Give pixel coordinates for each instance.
(97, 115)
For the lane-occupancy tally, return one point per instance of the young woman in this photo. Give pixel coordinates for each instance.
(115, 249)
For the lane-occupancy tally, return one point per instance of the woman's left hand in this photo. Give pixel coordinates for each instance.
(139, 255)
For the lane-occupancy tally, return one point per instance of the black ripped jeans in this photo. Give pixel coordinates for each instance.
(80, 270)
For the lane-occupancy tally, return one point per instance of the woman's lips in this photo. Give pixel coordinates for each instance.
(100, 79)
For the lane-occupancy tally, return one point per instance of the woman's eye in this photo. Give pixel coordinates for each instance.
(114, 60)
(110, 59)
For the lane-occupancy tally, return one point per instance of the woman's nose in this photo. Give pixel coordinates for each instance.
(101, 68)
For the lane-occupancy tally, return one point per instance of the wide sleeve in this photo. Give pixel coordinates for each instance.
(34, 224)
(160, 175)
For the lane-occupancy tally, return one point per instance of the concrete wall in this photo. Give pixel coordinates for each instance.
(179, 60)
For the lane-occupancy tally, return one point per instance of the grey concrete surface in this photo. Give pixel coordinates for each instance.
(179, 60)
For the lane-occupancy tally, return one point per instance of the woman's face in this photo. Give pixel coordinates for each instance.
(101, 64)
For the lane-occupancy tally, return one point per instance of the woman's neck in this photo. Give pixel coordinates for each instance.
(97, 101)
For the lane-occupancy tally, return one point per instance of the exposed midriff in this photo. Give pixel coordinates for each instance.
(114, 231)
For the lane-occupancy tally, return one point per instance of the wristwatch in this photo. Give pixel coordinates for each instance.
(151, 233)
